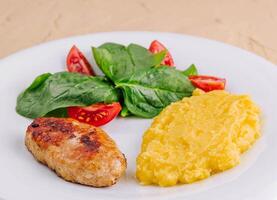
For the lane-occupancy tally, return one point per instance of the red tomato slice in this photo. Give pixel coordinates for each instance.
(77, 62)
(156, 47)
(208, 83)
(97, 114)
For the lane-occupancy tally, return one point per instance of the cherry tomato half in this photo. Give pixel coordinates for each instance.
(208, 83)
(77, 62)
(156, 47)
(97, 114)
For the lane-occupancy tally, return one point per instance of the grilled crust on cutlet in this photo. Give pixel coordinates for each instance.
(76, 151)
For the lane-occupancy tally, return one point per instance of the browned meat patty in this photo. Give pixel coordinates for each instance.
(76, 151)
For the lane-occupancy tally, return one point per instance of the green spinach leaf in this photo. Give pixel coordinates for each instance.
(125, 112)
(118, 62)
(60, 112)
(60, 90)
(150, 90)
(191, 70)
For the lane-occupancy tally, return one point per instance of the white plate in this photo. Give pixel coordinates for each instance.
(21, 177)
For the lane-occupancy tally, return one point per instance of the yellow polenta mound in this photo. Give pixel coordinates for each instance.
(197, 137)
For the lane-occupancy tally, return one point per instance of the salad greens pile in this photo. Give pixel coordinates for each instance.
(49, 92)
(133, 77)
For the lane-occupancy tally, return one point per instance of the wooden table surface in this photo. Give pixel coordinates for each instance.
(249, 24)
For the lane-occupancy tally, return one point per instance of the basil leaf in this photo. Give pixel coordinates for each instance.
(191, 70)
(60, 90)
(118, 62)
(148, 91)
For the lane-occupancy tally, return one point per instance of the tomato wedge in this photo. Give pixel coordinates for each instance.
(77, 62)
(208, 83)
(97, 114)
(156, 47)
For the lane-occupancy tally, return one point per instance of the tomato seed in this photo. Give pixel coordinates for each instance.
(81, 118)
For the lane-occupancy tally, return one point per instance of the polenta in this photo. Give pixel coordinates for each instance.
(196, 137)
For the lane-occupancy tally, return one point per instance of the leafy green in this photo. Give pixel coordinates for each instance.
(38, 81)
(146, 89)
(50, 92)
(60, 112)
(119, 62)
(150, 90)
(142, 58)
(124, 112)
(191, 70)
(131, 71)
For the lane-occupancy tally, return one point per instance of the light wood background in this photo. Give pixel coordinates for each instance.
(249, 24)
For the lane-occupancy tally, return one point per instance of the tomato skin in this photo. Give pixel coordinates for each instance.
(156, 47)
(97, 114)
(208, 83)
(77, 62)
